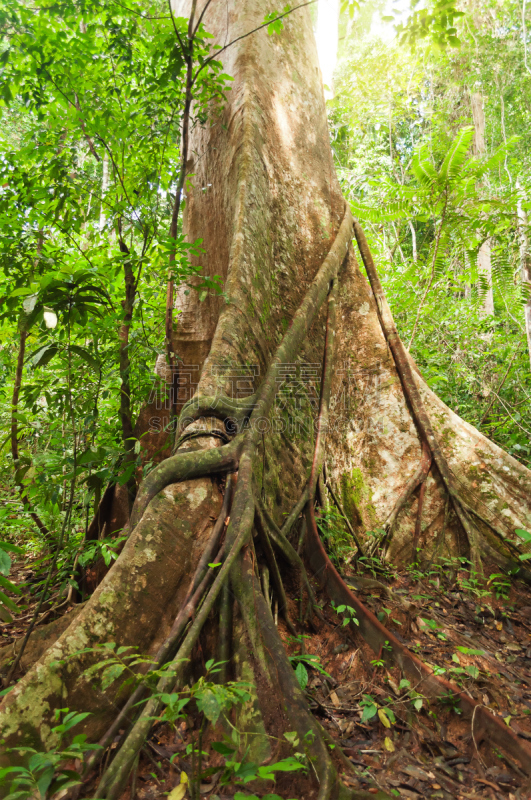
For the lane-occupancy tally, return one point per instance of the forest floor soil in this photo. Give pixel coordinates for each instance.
(475, 633)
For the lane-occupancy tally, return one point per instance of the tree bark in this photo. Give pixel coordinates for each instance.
(525, 269)
(267, 203)
(105, 181)
(484, 257)
(126, 415)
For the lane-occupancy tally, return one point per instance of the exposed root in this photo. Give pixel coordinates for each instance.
(115, 777)
(486, 727)
(210, 550)
(225, 630)
(232, 411)
(265, 638)
(184, 466)
(418, 523)
(294, 514)
(324, 399)
(418, 478)
(289, 553)
(275, 573)
(200, 581)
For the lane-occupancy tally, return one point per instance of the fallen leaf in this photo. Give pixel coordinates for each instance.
(393, 684)
(417, 773)
(335, 699)
(384, 719)
(178, 793)
(388, 744)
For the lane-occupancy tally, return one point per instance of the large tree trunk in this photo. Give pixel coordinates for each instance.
(268, 205)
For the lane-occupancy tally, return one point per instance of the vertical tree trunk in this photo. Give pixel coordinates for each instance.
(125, 366)
(105, 178)
(14, 400)
(484, 256)
(525, 269)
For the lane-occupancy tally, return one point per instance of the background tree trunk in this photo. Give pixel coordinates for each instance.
(484, 257)
(525, 269)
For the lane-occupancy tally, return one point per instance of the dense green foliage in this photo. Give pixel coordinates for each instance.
(402, 131)
(93, 103)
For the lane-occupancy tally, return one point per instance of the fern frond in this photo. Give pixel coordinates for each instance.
(502, 263)
(422, 167)
(496, 158)
(455, 157)
(391, 212)
(442, 256)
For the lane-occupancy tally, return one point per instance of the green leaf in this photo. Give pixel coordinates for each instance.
(473, 671)
(111, 674)
(45, 780)
(86, 356)
(5, 563)
(11, 587)
(10, 770)
(9, 603)
(223, 749)
(302, 675)
(275, 25)
(369, 711)
(43, 355)
(285, 765)
(208, 703)
(456, 154)
(11, 548)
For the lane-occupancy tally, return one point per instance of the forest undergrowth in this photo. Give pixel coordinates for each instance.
(473, 631)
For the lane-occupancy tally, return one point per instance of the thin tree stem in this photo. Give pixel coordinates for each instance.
(432, 276)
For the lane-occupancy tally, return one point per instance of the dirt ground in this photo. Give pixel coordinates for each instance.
(476, 633)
